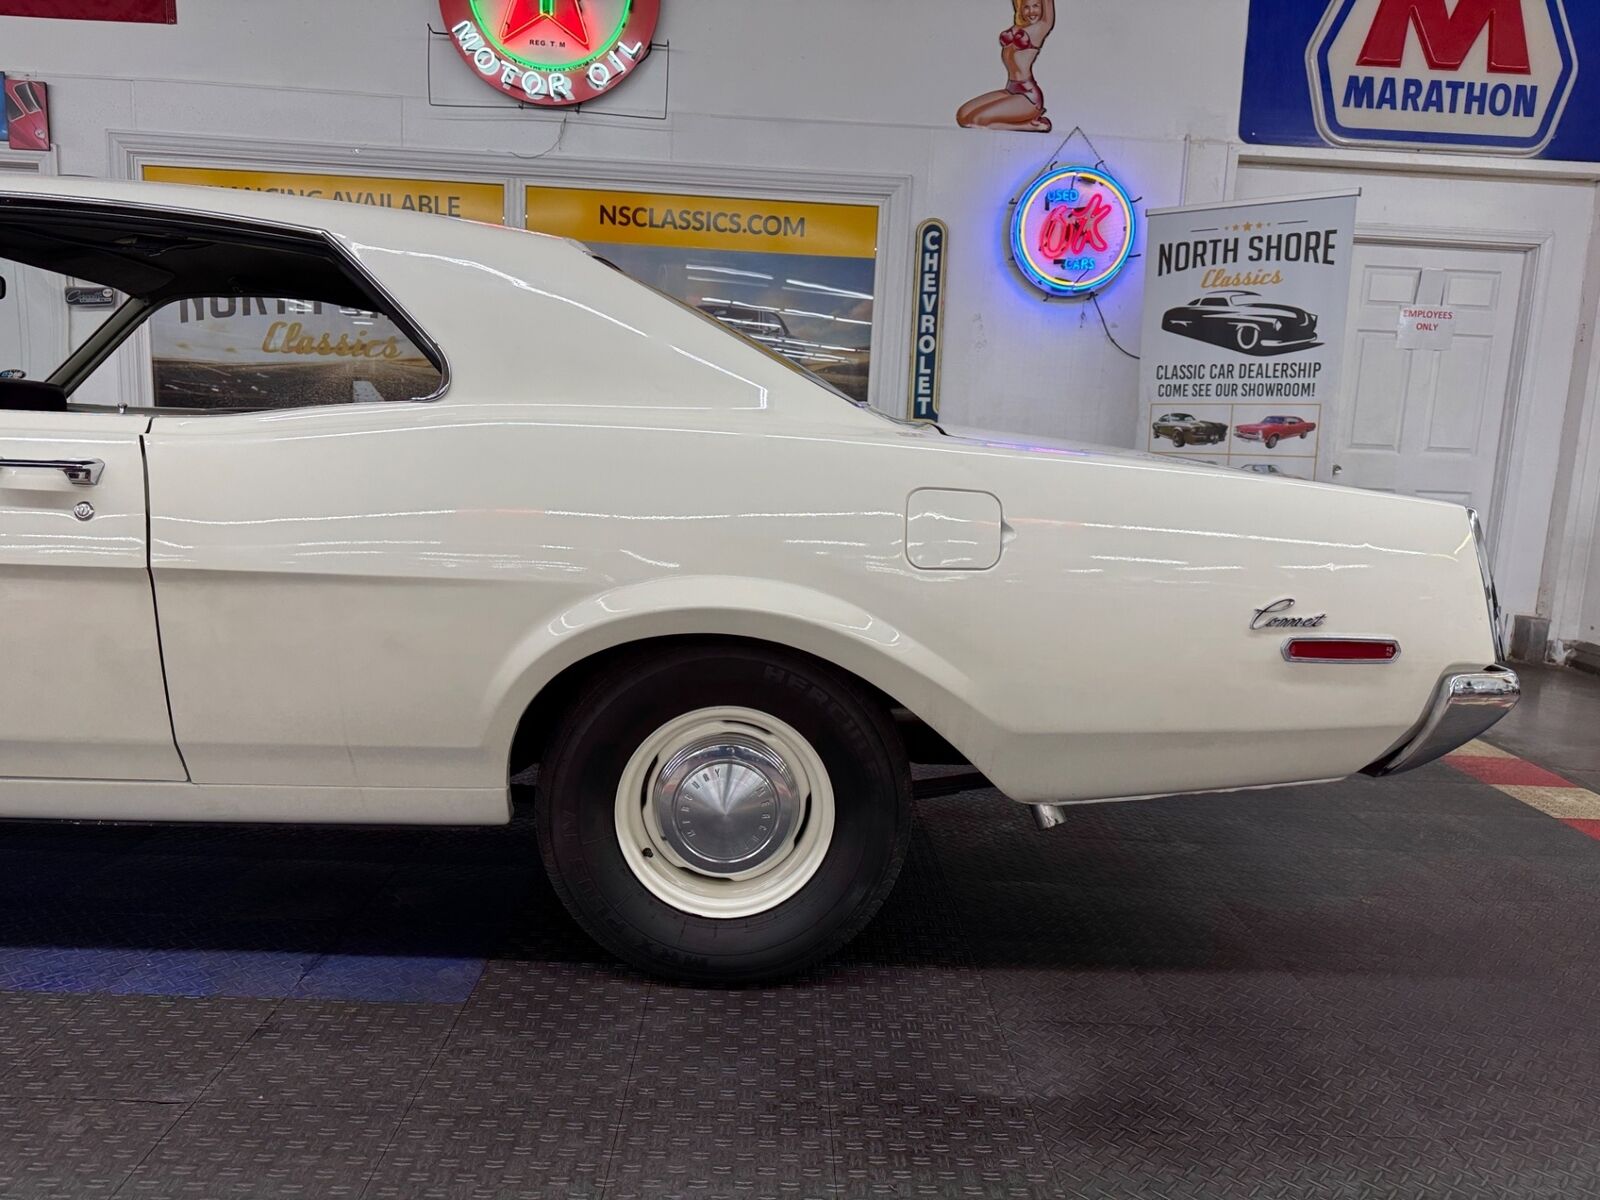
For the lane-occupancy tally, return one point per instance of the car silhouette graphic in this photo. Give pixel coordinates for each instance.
(1244, 322)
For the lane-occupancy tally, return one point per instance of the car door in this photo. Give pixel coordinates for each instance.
(297, 553)
(83, 694)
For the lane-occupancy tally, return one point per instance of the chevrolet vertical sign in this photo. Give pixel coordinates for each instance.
(1475, 76)
(932, 240)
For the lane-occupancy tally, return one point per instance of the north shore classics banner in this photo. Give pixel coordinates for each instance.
(1244, 329)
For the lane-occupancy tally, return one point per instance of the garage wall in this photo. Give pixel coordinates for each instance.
(835, 86)
(839, 88)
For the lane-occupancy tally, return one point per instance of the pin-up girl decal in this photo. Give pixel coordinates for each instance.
(1020, 104)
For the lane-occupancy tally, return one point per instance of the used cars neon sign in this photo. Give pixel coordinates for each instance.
(553, 53)
(1072, 232)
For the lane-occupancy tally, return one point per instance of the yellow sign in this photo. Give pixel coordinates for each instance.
(475, 201)
(705, 222)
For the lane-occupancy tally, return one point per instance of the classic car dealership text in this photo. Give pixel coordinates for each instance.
(698, 597)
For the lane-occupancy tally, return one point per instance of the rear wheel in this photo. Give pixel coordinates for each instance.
(724, 814)
(1179, 440)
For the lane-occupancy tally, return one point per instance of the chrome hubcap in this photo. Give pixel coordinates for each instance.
(724, 812)
(726, 806)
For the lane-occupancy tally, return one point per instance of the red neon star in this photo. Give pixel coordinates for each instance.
(523, 15)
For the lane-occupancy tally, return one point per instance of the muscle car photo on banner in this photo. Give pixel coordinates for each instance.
(1244, 325)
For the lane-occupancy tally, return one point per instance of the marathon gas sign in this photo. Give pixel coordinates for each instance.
(1477, 76)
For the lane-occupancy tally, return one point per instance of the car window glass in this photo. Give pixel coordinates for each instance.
(247, 353)
(44, 317)
(1215, 302)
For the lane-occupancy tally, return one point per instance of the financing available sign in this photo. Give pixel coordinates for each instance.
(1481, 76)
(1245, 310)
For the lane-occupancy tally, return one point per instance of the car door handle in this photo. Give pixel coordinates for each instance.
(85, 472)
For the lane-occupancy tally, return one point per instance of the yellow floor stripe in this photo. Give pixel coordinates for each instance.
(1572, 803)
(1480, 750)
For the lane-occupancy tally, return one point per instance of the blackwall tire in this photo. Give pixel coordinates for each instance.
(651, 904)
(1179, 441)
(1272, 441)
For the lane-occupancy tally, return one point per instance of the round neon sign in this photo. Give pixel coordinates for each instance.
(1072, 232)
(552, 53)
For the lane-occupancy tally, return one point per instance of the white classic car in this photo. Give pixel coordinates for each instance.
(518, 509)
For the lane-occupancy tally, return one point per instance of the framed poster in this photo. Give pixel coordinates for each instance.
(795, 276)
(1244, 329)
(153, 12)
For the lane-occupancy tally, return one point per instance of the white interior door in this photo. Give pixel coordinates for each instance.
(1428, 422)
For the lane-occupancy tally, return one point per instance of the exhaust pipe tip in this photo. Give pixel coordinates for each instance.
(1048, 816)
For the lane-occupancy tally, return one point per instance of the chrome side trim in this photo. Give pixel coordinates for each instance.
(1490, 594)
(1463, 707)
(1344, 662)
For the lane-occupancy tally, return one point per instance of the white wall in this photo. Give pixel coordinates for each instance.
(839, 87)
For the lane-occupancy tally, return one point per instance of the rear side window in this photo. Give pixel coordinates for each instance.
(235, 353)
(235, 316)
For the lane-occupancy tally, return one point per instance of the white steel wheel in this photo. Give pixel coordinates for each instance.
(724, 812)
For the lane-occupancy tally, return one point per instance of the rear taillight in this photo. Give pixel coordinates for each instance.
(1341, 650)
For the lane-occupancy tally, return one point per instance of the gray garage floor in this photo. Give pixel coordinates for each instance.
(1368, 989)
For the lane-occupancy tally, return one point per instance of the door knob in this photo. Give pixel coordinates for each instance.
(1337, 470)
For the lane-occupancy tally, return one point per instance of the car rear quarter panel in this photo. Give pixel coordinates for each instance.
(374, 594)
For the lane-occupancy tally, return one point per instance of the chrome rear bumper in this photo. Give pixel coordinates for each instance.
(1463, 708)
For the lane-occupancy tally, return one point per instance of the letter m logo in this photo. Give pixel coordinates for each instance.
(1448, 37)
(1487, 76)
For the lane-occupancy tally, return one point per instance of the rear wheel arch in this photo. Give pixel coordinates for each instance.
(555, 699)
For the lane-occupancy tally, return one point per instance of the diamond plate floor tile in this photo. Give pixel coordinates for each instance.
(1251, 999)
(259, 1151)
(26, 1020)
(727, 1095)
(938, 1142)
(333, 1053)
(58, 1148)
(1092, 995)
(1434, 936)
(1344, 1084)
(529, 1034)
(468, 1150)
(136, 1048)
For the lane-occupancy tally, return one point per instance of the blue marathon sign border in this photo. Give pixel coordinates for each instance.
(1517, 77)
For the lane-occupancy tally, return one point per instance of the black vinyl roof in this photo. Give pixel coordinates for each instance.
(169, 256)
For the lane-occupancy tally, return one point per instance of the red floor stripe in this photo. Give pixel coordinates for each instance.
(1509, 772)
(1592, 828)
